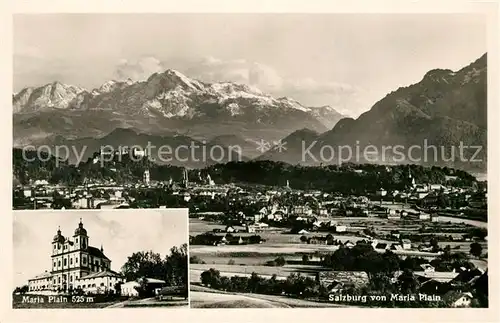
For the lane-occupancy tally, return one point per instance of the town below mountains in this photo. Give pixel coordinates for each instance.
(445, 109)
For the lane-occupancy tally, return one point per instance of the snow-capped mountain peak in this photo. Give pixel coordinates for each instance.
(170, 94)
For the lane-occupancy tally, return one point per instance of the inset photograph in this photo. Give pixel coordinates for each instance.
(100, 259)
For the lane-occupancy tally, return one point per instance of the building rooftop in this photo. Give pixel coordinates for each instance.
(93, 251)
(106, 273)
(42, 276)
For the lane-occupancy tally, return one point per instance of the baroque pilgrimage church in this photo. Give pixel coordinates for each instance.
(76, 264)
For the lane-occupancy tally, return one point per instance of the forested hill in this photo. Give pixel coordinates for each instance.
(348, 178)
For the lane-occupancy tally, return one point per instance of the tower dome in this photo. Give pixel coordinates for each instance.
(58, 237)
(80, 230)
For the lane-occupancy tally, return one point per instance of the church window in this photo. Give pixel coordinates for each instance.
(65, 261)
(59, 280)
(70, 278)
(70, 261)
(55, 247)
(59, 246)
(76, 259)
(59, 263)
(76, 240)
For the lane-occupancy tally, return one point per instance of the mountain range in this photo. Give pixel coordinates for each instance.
(168, 101)
(445, 109)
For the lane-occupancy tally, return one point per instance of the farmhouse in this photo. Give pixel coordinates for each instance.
(346, 278)
(458, 299)
(424, 216)
(427, 268)
(303, 210)
(381, 192)
(406, 244)
(381, 246)
(131, 288)
(340, 228)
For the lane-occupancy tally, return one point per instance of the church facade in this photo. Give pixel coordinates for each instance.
(77, 265)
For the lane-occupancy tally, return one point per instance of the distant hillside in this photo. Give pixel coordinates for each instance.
(445, 109)
(170, 149)
(347, 179)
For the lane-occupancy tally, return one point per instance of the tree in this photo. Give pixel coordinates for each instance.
(142, 289)
(144, 264)
(22, 290)
(303, 239)
(407, 282)
(176, 266)
(305, 259)
(280, 261)
(196, 260)
(172, 269)
(476, 249)
(480, 233)
(211, 278)
(118, 288)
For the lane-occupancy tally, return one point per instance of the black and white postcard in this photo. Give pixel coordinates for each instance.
(100, 259)
(260, 160)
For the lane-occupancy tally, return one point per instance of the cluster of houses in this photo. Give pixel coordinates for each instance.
(403, 244)
(454, 288)
(106, 195)
(229, 238)
(278, 204)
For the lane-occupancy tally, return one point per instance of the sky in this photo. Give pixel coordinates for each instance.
(121, 233)
(347, 61)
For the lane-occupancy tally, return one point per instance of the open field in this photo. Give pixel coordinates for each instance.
(202, 297)
(243, 260)
(152, 302)
(216, 300)
(263, 271)
(264, 250)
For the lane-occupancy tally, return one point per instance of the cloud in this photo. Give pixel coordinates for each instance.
(345, 98)
(211, 69)
(139, 69)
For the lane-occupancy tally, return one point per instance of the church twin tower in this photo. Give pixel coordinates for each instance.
(73, 259)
